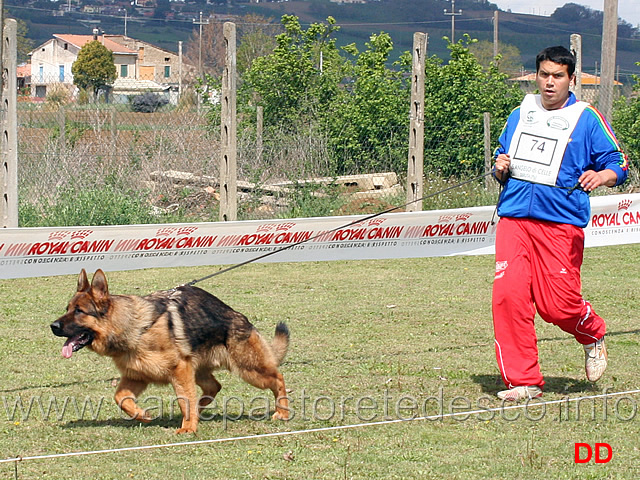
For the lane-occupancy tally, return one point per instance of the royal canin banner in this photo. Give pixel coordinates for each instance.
(36, 252)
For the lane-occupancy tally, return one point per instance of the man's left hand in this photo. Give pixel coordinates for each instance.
(590, 180)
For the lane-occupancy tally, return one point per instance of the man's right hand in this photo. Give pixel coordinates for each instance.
(503, 161)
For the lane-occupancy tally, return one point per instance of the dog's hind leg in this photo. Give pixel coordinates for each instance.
(272, 379)
(255, 364)
(183, 381)
(209, 385)
(126, 393)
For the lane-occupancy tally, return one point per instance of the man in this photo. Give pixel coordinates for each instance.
(553, 151)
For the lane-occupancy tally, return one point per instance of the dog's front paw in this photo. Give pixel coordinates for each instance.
(143, 416)
(280, 416)
(185, 430)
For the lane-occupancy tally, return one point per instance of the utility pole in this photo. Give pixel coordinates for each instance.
(496, 49)
(200, 23)
(453, 14)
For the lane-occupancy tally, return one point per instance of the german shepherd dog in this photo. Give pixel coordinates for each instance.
(176, 336)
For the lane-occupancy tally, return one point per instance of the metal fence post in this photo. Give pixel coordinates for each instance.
(9, 150)
(415, 170)
(228, 139)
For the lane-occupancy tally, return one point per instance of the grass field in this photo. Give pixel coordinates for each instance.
(371, 341)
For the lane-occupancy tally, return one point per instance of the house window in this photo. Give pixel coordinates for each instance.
(167, 59)
(41, 73)
(61, 73)
(66, 46)
(167, 71)
(124, 70)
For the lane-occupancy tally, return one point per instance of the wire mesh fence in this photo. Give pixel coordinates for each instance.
(167, 161)
(89, 161)
(97, 146)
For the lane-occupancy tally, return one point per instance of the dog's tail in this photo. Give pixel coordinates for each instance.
(280, 342)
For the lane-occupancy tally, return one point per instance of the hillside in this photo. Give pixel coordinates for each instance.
(399, 18)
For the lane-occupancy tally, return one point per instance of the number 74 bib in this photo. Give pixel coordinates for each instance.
(540, 139)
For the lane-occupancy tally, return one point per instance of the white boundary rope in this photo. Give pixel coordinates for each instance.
(527, 404)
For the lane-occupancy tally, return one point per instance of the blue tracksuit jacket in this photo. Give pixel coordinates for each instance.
(593, 146)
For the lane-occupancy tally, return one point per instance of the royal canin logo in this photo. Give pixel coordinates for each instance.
(284, 227)
(59, 235)
(166, 231)
(373, 222)
(624, 205)
(80, 234)
(186, 230)
(279, 227)
(463, 217)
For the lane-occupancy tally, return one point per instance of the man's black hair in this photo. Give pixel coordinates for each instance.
(559, 55)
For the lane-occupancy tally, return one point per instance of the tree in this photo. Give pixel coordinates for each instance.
(24, 43)
(94, 67)
(256, 38)
(625, 120)
(456, 96)
(300, 77)
(368, 125)
(572, 13)
(209, 48)
(508, 60)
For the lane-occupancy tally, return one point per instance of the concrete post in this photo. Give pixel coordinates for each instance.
(415, 170)
(228, 139)
(9, 120)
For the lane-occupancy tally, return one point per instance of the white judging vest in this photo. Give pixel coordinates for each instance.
(540, 139)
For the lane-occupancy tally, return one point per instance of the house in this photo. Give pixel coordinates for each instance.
(140, 66)
(23, 75)
(51, 62)
(590, 85)
(153, 63)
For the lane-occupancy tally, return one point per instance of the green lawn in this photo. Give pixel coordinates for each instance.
(371, 341)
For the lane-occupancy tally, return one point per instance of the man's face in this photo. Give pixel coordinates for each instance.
(553, 82)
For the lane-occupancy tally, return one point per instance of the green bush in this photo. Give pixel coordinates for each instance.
(104, 205)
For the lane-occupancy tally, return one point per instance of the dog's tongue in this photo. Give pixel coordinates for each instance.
(67, 348)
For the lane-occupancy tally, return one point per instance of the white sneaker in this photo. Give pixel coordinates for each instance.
(520, 393)
(595, 360)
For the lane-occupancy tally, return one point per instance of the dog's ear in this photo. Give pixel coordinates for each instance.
(99, 287)
(83, 281)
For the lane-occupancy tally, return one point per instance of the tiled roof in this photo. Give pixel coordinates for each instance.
(23, 70)
(587, 79)
(81, 40)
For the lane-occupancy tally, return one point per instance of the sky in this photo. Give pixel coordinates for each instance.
(628, 10)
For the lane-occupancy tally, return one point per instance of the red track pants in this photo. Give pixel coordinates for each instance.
(537, 269)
